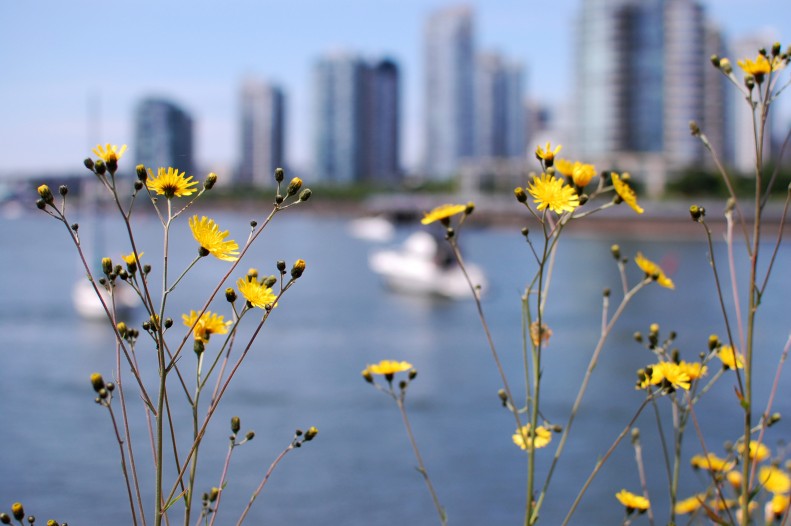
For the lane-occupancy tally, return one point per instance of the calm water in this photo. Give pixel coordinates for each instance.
(58, 457)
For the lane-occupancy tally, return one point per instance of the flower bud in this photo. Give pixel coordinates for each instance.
(18, 511)
(97, 381)
(99, 167)
(46, 194)
(298, 268)
(198, 347)
(294, 186)
(501, 394)
(236, 424)
(773, 419)
(311, 433)
(250, 435)
(122, 329)
(269, 281)
(279, 174)
(213, 494)
(63, 189)
(412, 374)
(696, 212)
(715, 61)
(305, 194)
(210, 181)
(281, 266)
(470, 208)
(615, 250)
(714, 342)
(142, 174)
(694, 129)
(40, 204)
(725, 66)
(112, 165)
(107, 265)
(368, 376)
(520, 194)
(775, 49)
(230, 294)
(88, 162)
(168, 323)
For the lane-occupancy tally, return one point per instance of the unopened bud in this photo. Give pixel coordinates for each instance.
(501, 394)
(470, 208)
(714, 342)
(305, 194)
(210, 181)
(696, 212)
(635, 435)
(88, 163)
(142, 174)
(298, 268)
(368, 376)
(694, 129)
(615, 250)
(773, 419)
(97, 381)
(236, 424)
(279, 174)
(249, 435)
(294, 186)
(122, 329)
(281, 266)
(520, 194)
(18, 511)
(725, 66)
(107, 265)
(311, 433)
(99, 167)
(715, 61)
(230, 294)
(46, 194)
(63, 189)
(412, 374)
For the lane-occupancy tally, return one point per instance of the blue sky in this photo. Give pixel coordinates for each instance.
(55, 55)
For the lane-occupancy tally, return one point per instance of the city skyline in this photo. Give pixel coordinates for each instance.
(186, 53)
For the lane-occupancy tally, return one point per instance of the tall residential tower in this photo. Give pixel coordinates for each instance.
(262, 119)
(163, 136)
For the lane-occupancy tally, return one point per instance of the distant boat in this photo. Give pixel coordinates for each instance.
(88, 306)
(425, 266)
(372, 228)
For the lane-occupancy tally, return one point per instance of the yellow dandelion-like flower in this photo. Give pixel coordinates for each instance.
(761, 65)
(526, 440)
(564, 166)
(442, 212)
(668, 372)
(653, 270)
(208, 324)
(694, 370)
(255, 292)
(731, 358)
(129, 259)
(625, 192)
(547, 154)
(774, 479)
(171, 183)
(583, 173)
(551, 192)
(689, 505)
(210, 238)
(779, 505)
(389, 367)
(632, 501)
(734, 479)
(109, 152)
(711, 462)
(758, 451)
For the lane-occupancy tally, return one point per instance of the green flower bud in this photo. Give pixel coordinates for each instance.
(122, 329)
(213, 494)
(142, 174)
(99, 167)
(470, 208)
(230, 295)
(46, 194)
(311, 433)
(250, 435)
(694, 129)
(269, 281)
(40, 204)
(107, 265)
(198, 347)
(714, 342)
(368, 376)
(279, 174)
(63, 189)
(520, 194)
(294, 186)
(715, 61)
(615, 250)
(4, 518)
(697, 212)
(210, 181)
(18, 511)
(88, 163)
(305, 194)
(281, 266)
(298, 268)
(236, 424)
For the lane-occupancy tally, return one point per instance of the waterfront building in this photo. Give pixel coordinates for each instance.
(499, 108)
(262, 133)
(163, 136)
(449, 66)
(357, 119)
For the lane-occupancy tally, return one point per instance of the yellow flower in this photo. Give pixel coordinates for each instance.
(442, 212)
(551, 192)
(109, 152)
(669, 372)
(735, 479)
(694, 370)
(579, 172)
(208, 324)
(774, 479)
(779, 504)
(389, 367)
(686, 506)
(547, 154)
(208, 235)
(626, 192)
(526, 440)
(653, 270)
(711, 462)
(171, 183)
(730, 358)
(258, 294)
(129, 259)
(632, 501)
(761, 66)
(758, 451)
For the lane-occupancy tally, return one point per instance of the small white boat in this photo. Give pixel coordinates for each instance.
(88, 306)
(422, 266)
(374, 228)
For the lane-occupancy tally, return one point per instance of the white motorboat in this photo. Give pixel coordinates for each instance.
(423, 265)
(88, 306)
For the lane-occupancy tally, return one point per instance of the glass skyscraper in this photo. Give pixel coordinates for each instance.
(262, 120)
(163, 136)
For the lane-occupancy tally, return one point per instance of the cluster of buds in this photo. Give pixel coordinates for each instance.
(301, 437)
(104, 391)
(293, 188)
(236, 425)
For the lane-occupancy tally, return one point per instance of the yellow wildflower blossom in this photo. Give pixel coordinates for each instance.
(526, 440)
(109, 152)
(255, 292)
(779, 505)
(774, 479)
(442, 212)
(668, 372)
(625, 192)
(653, 270)
(129, 259)
(389, 367)
(694, 370)
(632, 501)
(688, 505)
(171, 183)
(580, 173)
(208, 324)
(761, 65)
(731, 358)
(712, 462)
(547, 154)
(551, 192)
(758, 451)
(210, 238)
